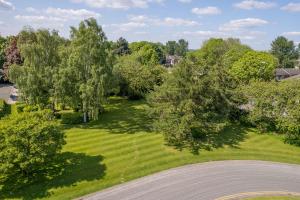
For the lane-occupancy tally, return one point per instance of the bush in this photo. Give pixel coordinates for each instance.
(71, 118)
(20, 107)
(29, 142)
(276, 107)
(4, 108)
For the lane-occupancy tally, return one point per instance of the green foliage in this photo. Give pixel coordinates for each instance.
(276, 106)
(4, 108)
(179, 48)
(35, 79)
(85, 76)
(254, 66)
(149, 53)
(285, 51)
(122, 47)
(194, 102)
(136, 79)
(71, 118)
(28, 143)
(216, 51)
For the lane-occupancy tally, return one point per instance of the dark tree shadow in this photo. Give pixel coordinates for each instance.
(230, 136)
(122, 117)
(67, 170)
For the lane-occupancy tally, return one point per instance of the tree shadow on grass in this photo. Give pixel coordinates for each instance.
(68, 170)
(230, 136)
(123, 117)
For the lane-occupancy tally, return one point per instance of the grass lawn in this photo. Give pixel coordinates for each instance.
(274, 198)
(121, 147)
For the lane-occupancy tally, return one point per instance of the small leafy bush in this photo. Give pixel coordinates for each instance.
(71, 118)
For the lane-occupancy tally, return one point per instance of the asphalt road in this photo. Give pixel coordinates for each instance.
(207, 181)
(5, 91)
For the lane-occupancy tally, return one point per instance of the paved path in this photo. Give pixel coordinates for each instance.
(7, 92)
(207, 181)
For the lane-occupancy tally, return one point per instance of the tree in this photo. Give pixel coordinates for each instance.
(122, 47)
(275, 106)
(171, 47)
(35, 79)
(28, 143)
(86, 74)
(3, 43)
(150, 53)
(179, 48)
(135, 79)
(193, 103)
(182, 47)
(254, 66)
(285, 51)
(12, 56)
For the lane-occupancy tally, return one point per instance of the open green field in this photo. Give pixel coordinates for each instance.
(121, 147)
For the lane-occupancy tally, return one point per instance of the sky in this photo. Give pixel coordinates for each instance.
(255, 22)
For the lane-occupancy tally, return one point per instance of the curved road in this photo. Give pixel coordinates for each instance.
(207, 181)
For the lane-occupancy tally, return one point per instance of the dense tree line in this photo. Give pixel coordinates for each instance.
(197, 98)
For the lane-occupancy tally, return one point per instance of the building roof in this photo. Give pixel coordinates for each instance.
(287, 72)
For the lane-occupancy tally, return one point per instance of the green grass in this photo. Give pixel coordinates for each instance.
(274, 198)
(121, 147)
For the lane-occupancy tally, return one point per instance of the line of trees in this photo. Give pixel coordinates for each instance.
(198, 97)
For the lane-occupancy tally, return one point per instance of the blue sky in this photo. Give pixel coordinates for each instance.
(255, 22)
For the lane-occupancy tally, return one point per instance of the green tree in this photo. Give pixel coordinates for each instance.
(275, 106)
(285, 51)
(35, 79)
(254, 66)
(122, 47)
(182, 47)
(150, 53)
(136, 79)
(171, 47)
(86, 74)
(194, 101)
(28, 143)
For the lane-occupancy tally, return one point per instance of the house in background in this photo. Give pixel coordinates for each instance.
(172, 60)
(284, 73)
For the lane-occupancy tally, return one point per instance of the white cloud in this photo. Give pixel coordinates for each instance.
(6, 5)
(168, 21)
(235, 25)
(31, 10)
(128, 26)
(292, 7)
(253, 4)
(185, 1)
(204, 34)
(207, 11)
(292, 33)
(71, 14)
(41, 21)
(118, 4)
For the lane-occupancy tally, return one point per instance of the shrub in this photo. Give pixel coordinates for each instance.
(29, 142)
(71, 118)
(4, 108)
(276, 107)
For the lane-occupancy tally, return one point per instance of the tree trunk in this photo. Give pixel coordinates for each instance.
(85, 117)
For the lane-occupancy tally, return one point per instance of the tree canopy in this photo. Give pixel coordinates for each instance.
(28, 142)
(85, 74)
(35, 78)
(285, 51)
(254, 66)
